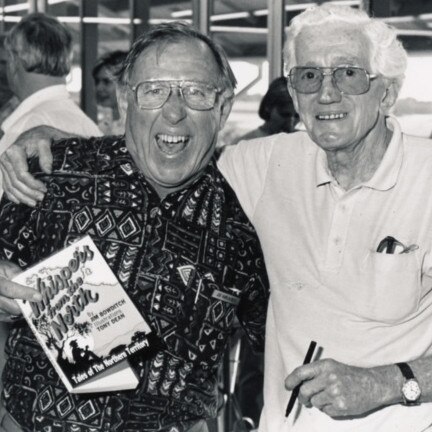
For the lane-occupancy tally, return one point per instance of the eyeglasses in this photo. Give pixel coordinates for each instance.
(347, 79)
(154, 94)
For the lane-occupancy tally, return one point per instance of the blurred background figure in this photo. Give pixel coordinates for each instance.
(109, 119)
(277, 111)
(8, 101)
(38, 58)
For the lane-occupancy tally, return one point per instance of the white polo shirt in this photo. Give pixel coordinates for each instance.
(328, 283)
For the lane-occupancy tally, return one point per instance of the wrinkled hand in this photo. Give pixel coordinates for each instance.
(337, 389)
(9, 291)
(19, 185)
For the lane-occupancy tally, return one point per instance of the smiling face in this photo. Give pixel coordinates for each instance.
(173, 144)
(337, 121)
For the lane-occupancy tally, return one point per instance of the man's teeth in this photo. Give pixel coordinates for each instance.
(331, 116)
(173, 138)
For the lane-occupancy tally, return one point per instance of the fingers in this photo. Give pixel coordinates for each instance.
(309, 390)
(13, 192)
(10, 290)
(19, 184)
(9, 269)
(9, 309)
(300, 374)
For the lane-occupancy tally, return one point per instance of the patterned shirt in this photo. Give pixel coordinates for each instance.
(190, 262)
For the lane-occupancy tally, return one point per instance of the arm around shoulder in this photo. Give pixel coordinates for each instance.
(19, 185)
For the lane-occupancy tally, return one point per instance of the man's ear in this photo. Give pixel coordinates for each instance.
(293, 95)
(390, 95)
(122, 102)
(225, 110)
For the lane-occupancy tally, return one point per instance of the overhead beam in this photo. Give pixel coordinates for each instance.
(89, 53)
(201, 12)
(2, 22)
(138, 9)
(37, 6)
(276, 22)
(380, 8)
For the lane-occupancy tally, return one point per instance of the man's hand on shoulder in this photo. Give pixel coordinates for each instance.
(9, 291)
(19, 185)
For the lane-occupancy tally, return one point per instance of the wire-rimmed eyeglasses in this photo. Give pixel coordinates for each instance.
(350, 80)
(154, 94)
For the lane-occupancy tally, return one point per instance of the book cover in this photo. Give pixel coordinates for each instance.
(85, 322)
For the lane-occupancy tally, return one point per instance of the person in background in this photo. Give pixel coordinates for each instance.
(39, 56)
(172, 231)
(277, 110)
(8, 101)
(110, 120)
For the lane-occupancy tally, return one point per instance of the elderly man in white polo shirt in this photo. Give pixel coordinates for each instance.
(344, 216)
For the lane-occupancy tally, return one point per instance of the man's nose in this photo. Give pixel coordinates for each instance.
(174, 109)
(328, 92)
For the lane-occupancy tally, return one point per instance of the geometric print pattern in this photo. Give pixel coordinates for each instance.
(191, 263)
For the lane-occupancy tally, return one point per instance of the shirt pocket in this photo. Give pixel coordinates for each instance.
(389, 286)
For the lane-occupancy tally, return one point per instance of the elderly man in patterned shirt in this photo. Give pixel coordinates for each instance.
(169, 226)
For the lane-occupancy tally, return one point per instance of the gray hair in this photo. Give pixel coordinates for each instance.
(388, 57)
(42, 44)
(170, 33)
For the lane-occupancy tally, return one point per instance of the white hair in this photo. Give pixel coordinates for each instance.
(387, 55)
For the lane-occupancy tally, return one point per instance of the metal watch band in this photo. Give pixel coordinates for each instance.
(406, 370)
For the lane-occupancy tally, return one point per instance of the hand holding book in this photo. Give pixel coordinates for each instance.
(84, 320)
(9, 291)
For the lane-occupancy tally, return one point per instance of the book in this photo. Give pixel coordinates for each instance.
(86, 323)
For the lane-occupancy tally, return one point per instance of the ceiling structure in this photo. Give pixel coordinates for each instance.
(240, 26)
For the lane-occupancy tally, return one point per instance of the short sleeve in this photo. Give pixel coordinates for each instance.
(245, 167)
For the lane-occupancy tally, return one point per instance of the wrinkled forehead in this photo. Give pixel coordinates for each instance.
(333, 42)
(183, 59)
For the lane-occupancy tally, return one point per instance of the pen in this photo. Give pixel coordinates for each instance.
(295, 392)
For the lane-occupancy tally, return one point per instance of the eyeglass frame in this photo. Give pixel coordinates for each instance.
(218, 92)
(369, 76)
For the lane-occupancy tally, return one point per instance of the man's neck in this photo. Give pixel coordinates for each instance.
(34, 82)
(359, 164)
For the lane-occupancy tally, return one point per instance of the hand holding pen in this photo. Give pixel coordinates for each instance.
(338, 389)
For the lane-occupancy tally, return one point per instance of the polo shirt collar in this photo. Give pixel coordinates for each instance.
(387, 173)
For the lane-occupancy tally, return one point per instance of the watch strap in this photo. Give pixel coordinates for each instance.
(406, 370)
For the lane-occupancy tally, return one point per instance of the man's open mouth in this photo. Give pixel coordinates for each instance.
(171, 144)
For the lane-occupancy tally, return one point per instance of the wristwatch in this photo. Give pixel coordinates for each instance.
(411, 391)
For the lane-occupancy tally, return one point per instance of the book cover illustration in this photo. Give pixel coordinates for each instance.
(85, 322)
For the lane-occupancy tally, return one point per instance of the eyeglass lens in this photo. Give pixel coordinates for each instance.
(349, 80)
(154, 94)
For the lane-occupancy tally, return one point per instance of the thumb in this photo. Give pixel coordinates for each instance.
(300, 374)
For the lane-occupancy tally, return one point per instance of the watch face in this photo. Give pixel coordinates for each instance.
(411, 390)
